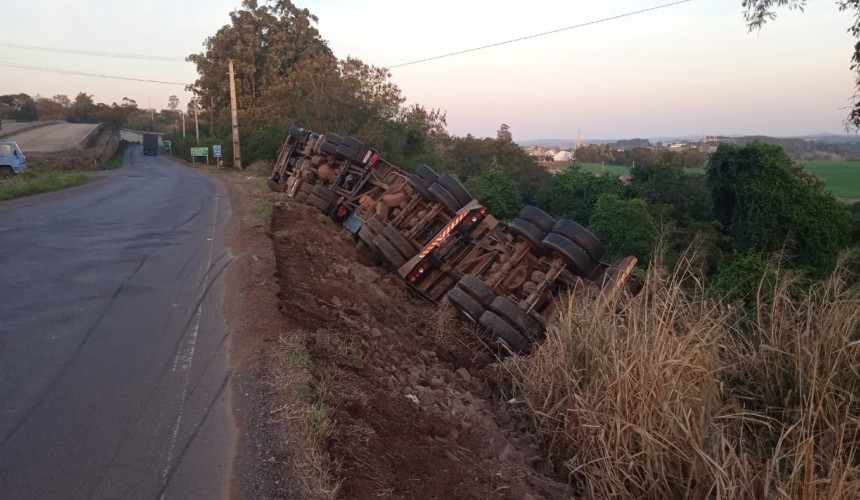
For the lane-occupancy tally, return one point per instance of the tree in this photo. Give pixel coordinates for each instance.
(83, 109)
(759, 12)
(172, 103)
(265, 42)
(624, 226)
(766, 203)
(19, 107)
(496, 191)
(574, 193)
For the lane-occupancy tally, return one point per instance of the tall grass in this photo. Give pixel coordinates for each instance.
(674, 394)
(30, 183)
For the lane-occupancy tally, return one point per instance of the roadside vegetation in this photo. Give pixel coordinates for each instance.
(681, 394)
(36, 182)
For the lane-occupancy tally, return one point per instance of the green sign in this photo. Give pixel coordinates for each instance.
(199, 151)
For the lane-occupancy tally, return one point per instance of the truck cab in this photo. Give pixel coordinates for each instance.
(12, 160)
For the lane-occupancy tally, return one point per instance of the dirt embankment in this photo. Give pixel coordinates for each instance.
(406, 402)
(99, 147)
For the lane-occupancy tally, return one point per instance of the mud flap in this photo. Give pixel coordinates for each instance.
(615, 277)
(352, 223)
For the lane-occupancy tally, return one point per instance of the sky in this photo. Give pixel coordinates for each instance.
(687, 69)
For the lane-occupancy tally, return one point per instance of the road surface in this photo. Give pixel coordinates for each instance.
(114, 378)
(51, 138)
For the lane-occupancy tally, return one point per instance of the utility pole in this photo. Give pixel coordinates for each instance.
(196, 125)
(237, 157)
(211, 116)
(183, 123)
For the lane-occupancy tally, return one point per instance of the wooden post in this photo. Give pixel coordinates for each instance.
(237, 157)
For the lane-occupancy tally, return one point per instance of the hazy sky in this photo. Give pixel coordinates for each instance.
(687, 69)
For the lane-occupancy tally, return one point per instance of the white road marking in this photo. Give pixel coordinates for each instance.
(185, 356)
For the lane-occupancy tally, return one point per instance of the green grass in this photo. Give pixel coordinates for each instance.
(841, 177)
(30, 183)
(116, 160)
(613, 170)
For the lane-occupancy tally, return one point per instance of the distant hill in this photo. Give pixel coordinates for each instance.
(827, 138)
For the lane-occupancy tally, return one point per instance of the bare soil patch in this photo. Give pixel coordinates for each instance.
(411, 405)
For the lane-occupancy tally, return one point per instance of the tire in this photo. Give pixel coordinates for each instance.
(6, 173)
(353, 143)
(503, 330)
(302, 197)
(427, 174)
(367, 235)
(328, 148)
(538, 217)
(419, 186)
(465, 304)
(529, 233)
(396, 238)
(455, 188)
(581, 236)
(477, 289)
(299, 133)
(388, 251)
(315, 201)
(441, 195)
(306, 187)
(516, 317)
(345, 152)
(332, 138)
(574, 256)
(375, 225)
(324, 193)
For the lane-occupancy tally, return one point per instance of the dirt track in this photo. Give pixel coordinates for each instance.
(420, 409)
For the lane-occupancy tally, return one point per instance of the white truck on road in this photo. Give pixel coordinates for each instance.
(12, 160)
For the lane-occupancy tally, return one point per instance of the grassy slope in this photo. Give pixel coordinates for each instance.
(841, 177)
(39, 182)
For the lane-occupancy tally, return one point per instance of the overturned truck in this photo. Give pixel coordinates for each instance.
(445, 244)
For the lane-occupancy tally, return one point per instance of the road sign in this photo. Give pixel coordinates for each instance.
(216, 151)
(200, 152)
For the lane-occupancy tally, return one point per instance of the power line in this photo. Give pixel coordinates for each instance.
(80, 73)
(94, 53)
(589, 23)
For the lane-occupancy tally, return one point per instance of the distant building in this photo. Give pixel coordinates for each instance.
(563, 156)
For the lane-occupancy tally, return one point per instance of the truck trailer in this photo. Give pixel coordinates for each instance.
(444, 244)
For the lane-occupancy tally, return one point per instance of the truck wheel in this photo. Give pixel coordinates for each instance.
(516, 317)
(353, 143)
(477, 289)
(302, 197)
(6, 172)
(538, 217)
(530, 233)
(328, 148)
(427, 174)
(419, 185)
(270, 183)
(299, 133)
(306, 187)
(400, 242)
(441, 195)
(366, 234)
(324, 193)
(455, 188)
(465, 304)
(574, 256)
(388, 251)
(316, 201)
(504, 331)
(581, 236)
(375, 225)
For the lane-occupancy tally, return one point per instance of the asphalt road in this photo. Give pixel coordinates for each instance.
(114, 378)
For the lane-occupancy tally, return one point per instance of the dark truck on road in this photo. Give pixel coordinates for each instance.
(445, 244)
(150, 144)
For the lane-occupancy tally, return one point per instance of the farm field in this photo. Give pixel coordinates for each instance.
(841, 177)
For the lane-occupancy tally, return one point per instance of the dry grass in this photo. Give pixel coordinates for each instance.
(676, 395)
